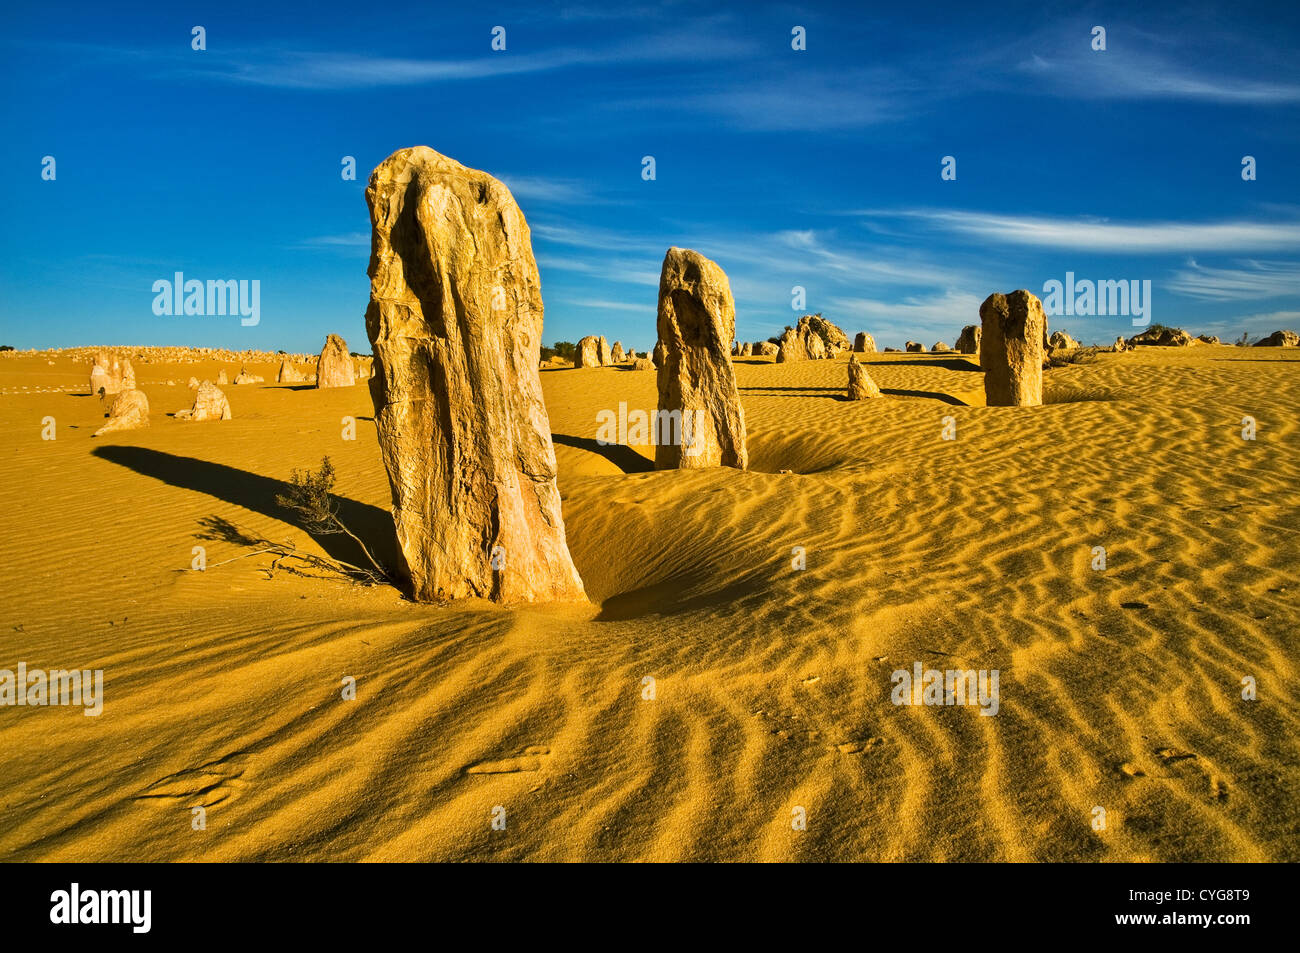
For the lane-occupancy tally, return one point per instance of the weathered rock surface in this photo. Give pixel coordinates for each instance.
(1119, 345)
(660, 354)
(1280, 339)
(288, 374)
(968, 342)
(864, 343)
(746, 349)
(221, 377)
(643, 364)
(334, 366)
(812, 339)
(791, 348)
(696, 323)
(210, 403)
(940, 346)
(587, 353)
(129, 410)
(616, 354)
(833, 339)
(1011, 349)
(861, 386)
(767, 348)
(1160, 336)
(111, 375)
(914, 347)
(459, 412)
(1208, 339)
(1060, 340)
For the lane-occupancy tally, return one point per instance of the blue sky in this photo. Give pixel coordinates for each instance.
(817, 168)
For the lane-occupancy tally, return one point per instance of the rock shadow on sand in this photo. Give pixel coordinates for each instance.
(625, 458)
(255, 492)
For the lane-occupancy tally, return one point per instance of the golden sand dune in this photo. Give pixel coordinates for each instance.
(771, 687)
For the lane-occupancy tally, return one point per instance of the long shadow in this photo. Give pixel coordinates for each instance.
(792, 388)
(948, 363)
(625, 458)
(933, 394)
(257, 493)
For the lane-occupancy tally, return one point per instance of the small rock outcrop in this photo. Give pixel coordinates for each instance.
(767, 348)
(334, 366)
(1060, 340)
(111, 375)
(616, 354)
(941, 347)
(210, 403)
(1160, 336)
(914, 347)
(289, 374)
(455, 320)
(864, 343)
(587, 353)
(696, 323)
(1279, 339)
(968, 342)
(861, 386)
(1011, 349)
(812, 339)
(129, 410)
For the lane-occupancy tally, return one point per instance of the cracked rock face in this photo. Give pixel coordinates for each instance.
(1012, 348)
(455, 318)
(697, 323)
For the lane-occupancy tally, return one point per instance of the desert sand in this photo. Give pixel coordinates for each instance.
(1119, 688)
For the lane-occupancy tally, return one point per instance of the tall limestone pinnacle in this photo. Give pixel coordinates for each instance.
(455, 319)
(697, 324)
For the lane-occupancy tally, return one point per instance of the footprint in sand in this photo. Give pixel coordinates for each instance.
(203, 786)
(530, 760)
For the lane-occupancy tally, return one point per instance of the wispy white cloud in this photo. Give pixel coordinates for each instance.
(1102, 235)
(317, 70)
(604, 304)
(1257, 324)
(810, 101)
(942, 314)
(1253, 280)
(536, 188)
(1137, 72)
(349, 240)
